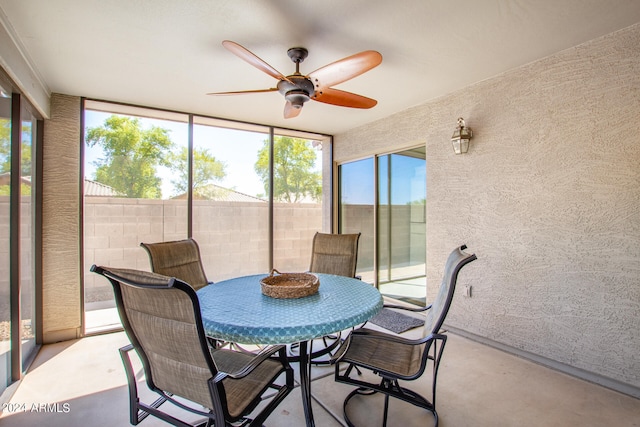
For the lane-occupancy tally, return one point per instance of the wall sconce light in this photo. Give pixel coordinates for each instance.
(461, 137)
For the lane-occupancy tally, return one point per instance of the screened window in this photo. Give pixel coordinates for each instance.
(250, 195)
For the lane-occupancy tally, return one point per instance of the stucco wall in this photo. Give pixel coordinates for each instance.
(548, 197)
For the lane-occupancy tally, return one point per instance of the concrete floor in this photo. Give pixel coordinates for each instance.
(477, 386)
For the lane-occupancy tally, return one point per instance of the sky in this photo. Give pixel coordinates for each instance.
(236, 148)
(408, 180)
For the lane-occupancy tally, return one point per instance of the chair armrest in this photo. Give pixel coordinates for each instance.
(265, 354)
(339, 353)
(402, 307)
(377, 335)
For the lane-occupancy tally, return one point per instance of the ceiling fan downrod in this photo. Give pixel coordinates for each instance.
(298, 89)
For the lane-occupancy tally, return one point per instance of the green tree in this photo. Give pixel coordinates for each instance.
(206, 169)
(5, 145)
(132, 155)
(293, 176)
(5, 155)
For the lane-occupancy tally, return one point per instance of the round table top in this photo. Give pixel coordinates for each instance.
(235, 310)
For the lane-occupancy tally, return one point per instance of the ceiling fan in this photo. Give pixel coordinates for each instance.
(298, 88)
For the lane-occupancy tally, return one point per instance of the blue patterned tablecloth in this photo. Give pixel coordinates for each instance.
(236, 310)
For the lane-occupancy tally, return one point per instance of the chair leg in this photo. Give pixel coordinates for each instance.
(131, 383)
(327, 350)
(283, 391)
(135, 413)
(359, 391)
(363, 391)
(388, 387)
(386, 410)
(350, 367)
(139, 410)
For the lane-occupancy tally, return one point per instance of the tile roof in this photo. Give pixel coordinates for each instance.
(221, 194)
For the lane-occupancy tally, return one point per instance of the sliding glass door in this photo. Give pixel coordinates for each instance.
(384, 198)
(27, 235)
(5, 231)
(20, 131)
(402, 224)
(356, 211)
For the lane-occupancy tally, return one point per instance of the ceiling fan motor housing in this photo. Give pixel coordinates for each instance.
(298, 92)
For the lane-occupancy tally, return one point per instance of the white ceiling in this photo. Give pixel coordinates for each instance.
(168, 53)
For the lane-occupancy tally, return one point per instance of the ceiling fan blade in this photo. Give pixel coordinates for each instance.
(344, 99)
(241, 92)
(290, 111)
(345, 69)
(246, 55)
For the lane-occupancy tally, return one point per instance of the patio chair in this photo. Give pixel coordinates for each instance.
(178, 258)
(161, 316)
(395, 358)
(335, 254)
(332, 254)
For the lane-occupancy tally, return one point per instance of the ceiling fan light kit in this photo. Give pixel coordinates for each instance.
(297, 88)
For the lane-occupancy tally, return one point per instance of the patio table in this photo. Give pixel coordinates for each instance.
(235, 310)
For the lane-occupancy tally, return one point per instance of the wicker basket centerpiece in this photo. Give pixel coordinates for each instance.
(289, 285)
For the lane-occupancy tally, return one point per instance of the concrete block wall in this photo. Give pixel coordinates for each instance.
(114, 228)
(26, 258)
(293, 235)
(233, 236)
